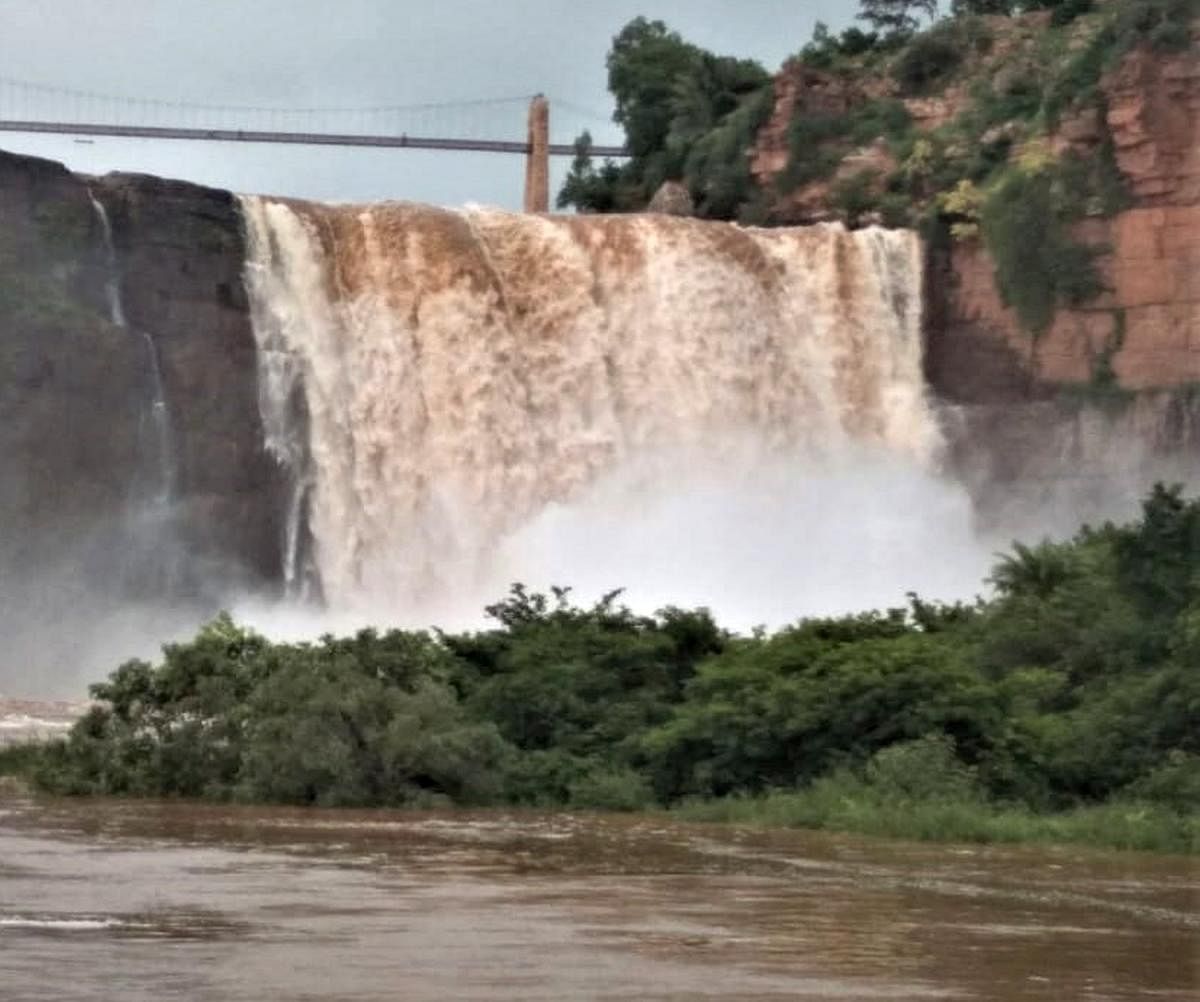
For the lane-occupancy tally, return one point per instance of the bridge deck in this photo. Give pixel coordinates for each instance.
(295, 138)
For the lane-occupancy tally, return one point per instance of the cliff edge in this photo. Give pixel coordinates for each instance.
(118, 294)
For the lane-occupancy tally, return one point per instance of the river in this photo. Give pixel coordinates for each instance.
(117, 901)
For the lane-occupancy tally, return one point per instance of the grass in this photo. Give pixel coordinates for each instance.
(841, 804)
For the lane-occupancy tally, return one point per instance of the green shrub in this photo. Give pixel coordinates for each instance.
(19, 760)
(855, 196)
(965, 8)
(926, 769)
(895, 210)
(1025, 220)
(619, 789)
(827, 50)
(1065, 707)
(929, 57)
(1174, 783)
(884, 118)
(1166, 24)
(717, 166)
(817, 143)
(1063, 12)
(543, 777)
(810, 158)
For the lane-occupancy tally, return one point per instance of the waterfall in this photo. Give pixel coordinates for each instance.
(436, 382)
(151, 560)
(112, 282)
(160, 424)
(156, 420)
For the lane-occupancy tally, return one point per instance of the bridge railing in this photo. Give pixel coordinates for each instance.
(494, 125)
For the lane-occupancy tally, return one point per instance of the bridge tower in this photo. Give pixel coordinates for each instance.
(537, 159)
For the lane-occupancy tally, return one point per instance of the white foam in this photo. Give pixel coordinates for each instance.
(25, 722)
(59, 924)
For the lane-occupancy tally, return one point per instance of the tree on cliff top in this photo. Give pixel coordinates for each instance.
(688, 115)
(896, 17)
(644, 64)
(595, 189)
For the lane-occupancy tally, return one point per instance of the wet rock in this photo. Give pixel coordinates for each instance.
(672, 199)
(73, 383)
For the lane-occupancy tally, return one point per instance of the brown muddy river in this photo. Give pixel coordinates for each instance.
(151, 901)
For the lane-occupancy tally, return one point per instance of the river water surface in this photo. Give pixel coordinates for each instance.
(115, 901)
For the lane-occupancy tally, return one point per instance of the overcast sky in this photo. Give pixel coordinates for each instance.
(357, 53)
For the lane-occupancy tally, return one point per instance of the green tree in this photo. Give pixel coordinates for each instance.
(688, 115)
(896, 17)
(588, 188)
(783, 711)
(645, 63)
(1034, 570)
(1158, 559)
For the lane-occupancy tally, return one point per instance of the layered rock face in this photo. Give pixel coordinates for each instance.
(801, 88)
(86, 317)
(1147, 325)
(1044, 466)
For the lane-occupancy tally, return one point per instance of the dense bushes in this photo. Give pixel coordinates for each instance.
(1075, 685)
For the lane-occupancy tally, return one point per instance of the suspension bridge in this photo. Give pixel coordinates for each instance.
(483, 126)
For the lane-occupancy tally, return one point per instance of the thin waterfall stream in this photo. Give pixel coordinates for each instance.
(151, 557)
(156, 417)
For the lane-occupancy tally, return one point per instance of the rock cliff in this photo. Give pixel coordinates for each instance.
(75, 387)
(1100, 402)
(68, 396)
(1144, 329)
(1146, 325)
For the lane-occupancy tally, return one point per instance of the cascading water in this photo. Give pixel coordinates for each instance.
(440, 383)
(155, 491)
(156, 418)
(160, 424)
(112, 281)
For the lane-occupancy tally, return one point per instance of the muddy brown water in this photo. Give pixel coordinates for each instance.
(115, 901)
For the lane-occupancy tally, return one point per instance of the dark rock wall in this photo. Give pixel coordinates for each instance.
(180, 254)
(1039, 467)
(69, 379)
(73, 386)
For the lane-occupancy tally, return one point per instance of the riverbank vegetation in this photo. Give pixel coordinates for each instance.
(1066, 706)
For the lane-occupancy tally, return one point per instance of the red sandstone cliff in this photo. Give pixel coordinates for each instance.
(1152, 250)
(1147, 324)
